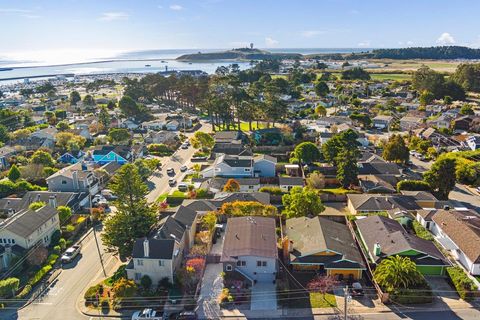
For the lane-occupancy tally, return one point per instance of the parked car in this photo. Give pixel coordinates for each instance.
(183, 168)
(108, 194)
(172, 182)
(184, 146)
(146, 314)
(170, 171)
(70, 254)
(182, 187)
(99, 199)
(187, 315)
(357, 289)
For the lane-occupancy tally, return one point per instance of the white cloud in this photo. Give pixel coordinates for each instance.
(176, 7)
(14, 10)
(409, 42)
(445, 38)
(269, 42)
(364, 43)
(112, 16)
(312, 33)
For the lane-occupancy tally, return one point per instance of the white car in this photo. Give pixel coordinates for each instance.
(184, 146)
(70, 254)
(183, 168)
(146, 314)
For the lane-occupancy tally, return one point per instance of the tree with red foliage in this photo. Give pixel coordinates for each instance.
(322, 284)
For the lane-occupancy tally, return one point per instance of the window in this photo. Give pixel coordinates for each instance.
(138, 276)
(248, 169)
(140, 262)
(160, 263)
(250, 187)
(241, 263)
(64, 182)
(228, 267)
(261, 263)
(13, 241)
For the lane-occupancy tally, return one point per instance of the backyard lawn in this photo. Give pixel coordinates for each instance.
(318, 300)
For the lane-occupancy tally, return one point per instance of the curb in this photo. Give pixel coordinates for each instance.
(35, 298)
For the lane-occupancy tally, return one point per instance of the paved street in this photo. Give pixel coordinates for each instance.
(158, 183)
(59, 300)
(465, 196)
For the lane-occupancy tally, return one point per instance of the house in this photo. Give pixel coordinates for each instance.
(241, 167)
(10, 206)
(382, 122)
(71, 157)
(129, 124)
(473, 142)
(172, 125)
(74, 178)
(162, 137)
(250, 248)
(409, 123)
(25, 230)
(458, 232)
(384, 237)
(287, 183)
(6, 152)
(105, 154)
(323, 137)
(370, 203)
(463, 123)
(46, 133)
(156, 125)
(323, 245)
(216, 184)
(230, 137)
(443, 121)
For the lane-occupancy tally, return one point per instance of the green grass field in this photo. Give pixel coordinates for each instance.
(391, 76)
(244, 126)
(318, 300)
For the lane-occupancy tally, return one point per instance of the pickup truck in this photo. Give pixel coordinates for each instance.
(70, 254)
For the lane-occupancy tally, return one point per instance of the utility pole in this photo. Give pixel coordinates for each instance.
(95, 236)
(345, 294)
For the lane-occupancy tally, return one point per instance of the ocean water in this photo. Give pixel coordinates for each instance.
(57, 63)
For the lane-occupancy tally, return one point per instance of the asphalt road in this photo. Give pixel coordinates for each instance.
(158, 182)
(59, 300)
(463, 195)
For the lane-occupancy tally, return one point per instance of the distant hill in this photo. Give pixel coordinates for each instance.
(239, 54)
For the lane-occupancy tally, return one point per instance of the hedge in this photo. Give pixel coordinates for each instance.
(421, 232)
(413, 185)
(412, 296)
(25, 291)
(463, 284)
(39, 275)
(175, 201)
(272, 190)
(8, 287)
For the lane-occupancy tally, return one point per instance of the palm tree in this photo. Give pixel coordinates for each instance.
(397, 272)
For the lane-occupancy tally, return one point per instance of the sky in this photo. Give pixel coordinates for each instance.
(105, 27)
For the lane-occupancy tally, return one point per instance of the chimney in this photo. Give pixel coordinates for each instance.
(38, 197)
(52, 201)
(75, 180)
(146, 248)
(377, 249)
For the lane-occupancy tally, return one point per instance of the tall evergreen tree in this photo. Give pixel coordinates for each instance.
(134, 216)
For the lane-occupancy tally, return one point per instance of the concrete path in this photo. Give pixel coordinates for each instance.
(212, 285)
(264, 296)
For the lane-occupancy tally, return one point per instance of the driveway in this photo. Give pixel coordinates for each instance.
(263, 296)
(212, 285)
(441, 288)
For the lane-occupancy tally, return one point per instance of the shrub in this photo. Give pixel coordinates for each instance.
(57, 249)
(25, 291)
(69, 228)
(36, 205)
(146, 282)
(55, 239)
(39, 275)
(62, 243)
(272, 190)
(90, 295)
(463, 284)
(52, 259)
(125, 288)
(8, 287)
(413, 185)
(121, 273)
(202, 194)
(421, 232)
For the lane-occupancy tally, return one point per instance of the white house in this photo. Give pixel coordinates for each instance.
(382, 122)
(241, 167)
(473, 142)
(250, 248)
(458, 232)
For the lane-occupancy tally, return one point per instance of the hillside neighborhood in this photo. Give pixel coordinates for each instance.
(290, 189)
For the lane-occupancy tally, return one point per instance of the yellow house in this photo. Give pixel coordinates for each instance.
(323, 245)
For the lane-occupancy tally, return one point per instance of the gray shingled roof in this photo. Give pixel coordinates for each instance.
(393, 239)
(250, 236)
(158, 248)
(27, 222)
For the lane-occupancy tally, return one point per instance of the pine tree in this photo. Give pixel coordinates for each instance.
(14, 174)
(134, 216)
